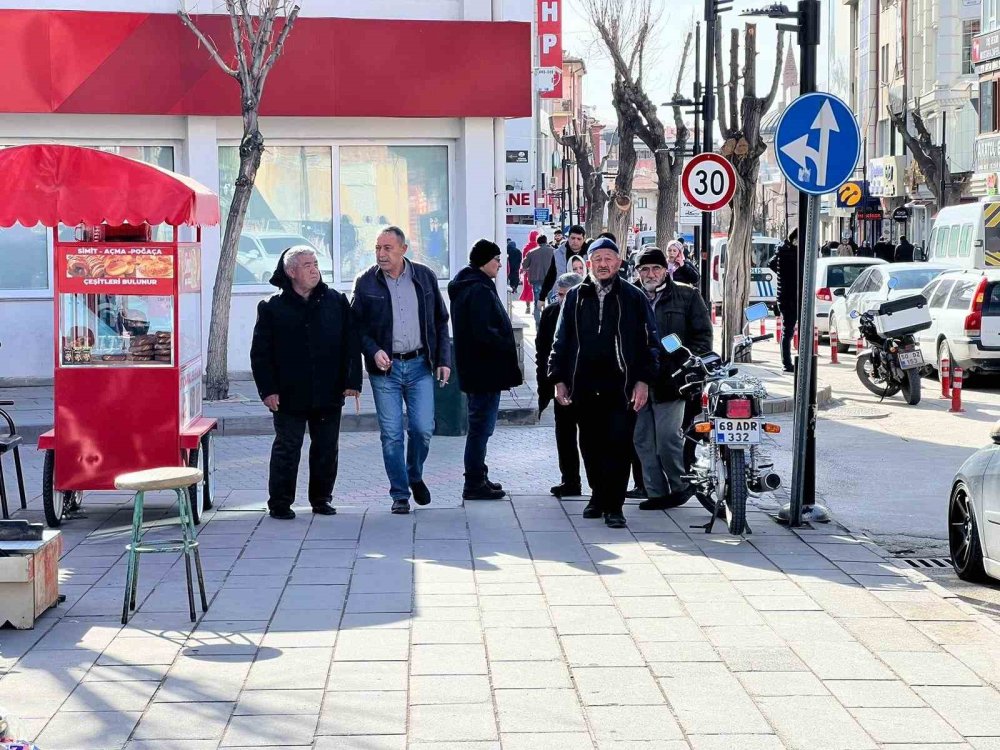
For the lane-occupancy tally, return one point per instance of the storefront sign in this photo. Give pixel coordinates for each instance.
(987, 154)
(901, 214)
(850, 194)
(517, 157)
(991, 184)
(119, 269)
(520, 203)
(869, 216)
(985, 47)
(687, 215)
(885, 177)
(550, 56)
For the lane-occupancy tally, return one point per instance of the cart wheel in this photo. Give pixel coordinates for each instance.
(209, 468)
(194, 491)
(53, 519)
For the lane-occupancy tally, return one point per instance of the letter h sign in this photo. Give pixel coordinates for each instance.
(549, 16)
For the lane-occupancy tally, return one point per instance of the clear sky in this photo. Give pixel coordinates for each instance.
(580, 40)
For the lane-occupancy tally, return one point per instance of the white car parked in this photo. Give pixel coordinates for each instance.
(965, 320)
(871, 289)
(833, 274)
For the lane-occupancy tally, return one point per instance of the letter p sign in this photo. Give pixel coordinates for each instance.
(548, 42)
(549, 15)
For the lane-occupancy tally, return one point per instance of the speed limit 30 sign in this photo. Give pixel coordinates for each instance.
(708, 182)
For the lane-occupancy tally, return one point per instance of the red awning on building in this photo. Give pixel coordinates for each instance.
(89, 62)
(51, 184)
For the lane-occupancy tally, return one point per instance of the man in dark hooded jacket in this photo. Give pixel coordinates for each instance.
(785, 264)
(513, 265)
(305, 357)
(486, 358)
(904, 251)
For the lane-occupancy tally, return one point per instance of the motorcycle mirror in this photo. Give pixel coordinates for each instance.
(893, 282)
(671, 343)
(756, 312)
(854, 313)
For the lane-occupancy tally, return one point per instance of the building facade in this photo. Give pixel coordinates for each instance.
(366, 117)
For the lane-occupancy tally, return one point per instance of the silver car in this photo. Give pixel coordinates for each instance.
(974, 514)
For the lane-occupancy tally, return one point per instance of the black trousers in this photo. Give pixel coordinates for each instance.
(606, 426)
(566, 444)
(324, 451)
(789, 318)
(636, 467)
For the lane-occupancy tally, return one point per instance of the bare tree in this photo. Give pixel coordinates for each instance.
(625, 28)
(930, 158)
(576, 137)
(620, 207)
(259, 30)
(743, 146)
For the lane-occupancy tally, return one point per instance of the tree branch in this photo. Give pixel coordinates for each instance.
(769, 99)
(734, 77)
(719, 93)
(234, 25)
(278, 47)
(212, 51)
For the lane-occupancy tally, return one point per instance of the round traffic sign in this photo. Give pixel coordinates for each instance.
(708, 182)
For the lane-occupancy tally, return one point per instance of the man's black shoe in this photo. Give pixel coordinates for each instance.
(492, 485)
(482, 492)
(615, 520)
(592, 511)
(400, 507)
(656, 503)
(566, 490)
(324, 510)
(421, 495)
(283, 515)
(636, 493)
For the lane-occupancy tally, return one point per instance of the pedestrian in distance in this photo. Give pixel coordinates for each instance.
(847, 248)
(527, 295)
(602, 360)
(306, 358)
(561, 256)
(785, 264)
(513, 265)
(577, 266)
(557, 239)
(485, 357)
(536, 266)
(680, 269)
(884, 249)
(677, 309)
(403, 324)
(904, 251)
(567, 445)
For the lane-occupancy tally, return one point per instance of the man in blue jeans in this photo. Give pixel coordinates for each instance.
(486, 358)
(403, 323)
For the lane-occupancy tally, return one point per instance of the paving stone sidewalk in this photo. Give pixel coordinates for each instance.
(513, 624)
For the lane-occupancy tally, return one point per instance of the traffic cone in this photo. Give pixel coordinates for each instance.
(815, 341)
(778, 325)
(795, 338)
(763, 328)
(860, 343)
(714, 321)
(834, 343)
(956, 391)
(946, 377)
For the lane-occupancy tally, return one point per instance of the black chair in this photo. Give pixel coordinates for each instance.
(10, 443)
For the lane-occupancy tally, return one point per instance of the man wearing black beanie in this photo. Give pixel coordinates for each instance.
(486, 359)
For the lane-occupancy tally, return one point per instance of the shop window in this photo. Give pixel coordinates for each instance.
(405, 186)
(987, 112)
(24, 255)
(969, 30)
(291, 205)
(642, 202)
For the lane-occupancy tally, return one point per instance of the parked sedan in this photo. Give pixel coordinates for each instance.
(965, 320)
(974, 515)
(833, 274)
(871, 289)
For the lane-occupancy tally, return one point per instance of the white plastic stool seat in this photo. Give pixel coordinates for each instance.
(164, 478)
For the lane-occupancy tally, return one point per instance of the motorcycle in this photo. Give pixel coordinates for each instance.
(893, 360)
(732, 462)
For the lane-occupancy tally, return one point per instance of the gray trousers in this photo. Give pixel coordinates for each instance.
(660, 445)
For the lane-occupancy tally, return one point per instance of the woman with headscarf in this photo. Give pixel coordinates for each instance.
(527, 294)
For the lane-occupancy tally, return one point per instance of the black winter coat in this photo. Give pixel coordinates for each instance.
(785, 264)
(679, 309)
(306, 351)
(635, 333)
(485, 349)
(885, 251)
(904, 252)
(686, 274)
(372, 307)
(544, 337)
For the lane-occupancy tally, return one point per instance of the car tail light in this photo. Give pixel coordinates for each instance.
(974, 320)
(738, 408)
(715, 268)
(824, 294)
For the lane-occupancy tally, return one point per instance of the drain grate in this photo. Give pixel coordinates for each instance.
(925, 563)
(853, 412)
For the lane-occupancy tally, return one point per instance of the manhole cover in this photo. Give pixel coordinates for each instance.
(928, 563)
(853, 412)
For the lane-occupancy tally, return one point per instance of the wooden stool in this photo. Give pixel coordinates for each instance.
(178, 479)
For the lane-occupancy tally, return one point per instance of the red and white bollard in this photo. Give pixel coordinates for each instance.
(956, 391)
(815, 341)
(834, 343)
(714, 321)
(779, 334)
(795, 338)
(945, 378)
(860, 344)
(763, 327)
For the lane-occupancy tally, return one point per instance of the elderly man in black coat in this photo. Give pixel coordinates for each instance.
(305, 357)
(486, 358)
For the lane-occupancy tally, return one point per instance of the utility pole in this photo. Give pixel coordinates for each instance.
(701, 247)
(712, 10)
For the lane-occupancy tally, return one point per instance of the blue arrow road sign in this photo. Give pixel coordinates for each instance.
(818, 143)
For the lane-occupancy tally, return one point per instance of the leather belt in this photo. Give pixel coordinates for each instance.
(408, 355)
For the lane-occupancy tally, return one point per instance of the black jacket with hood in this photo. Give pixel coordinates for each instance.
(635, 341)
(305, 350)
(785, 264)
(678, 309)
(485, 349)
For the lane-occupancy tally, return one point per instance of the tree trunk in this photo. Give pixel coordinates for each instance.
(217, 366)
(666, 199)
(595, 216)
(738, 259)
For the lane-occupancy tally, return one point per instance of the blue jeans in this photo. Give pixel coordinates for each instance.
(537, 290)
(410, 382)
(483, 408)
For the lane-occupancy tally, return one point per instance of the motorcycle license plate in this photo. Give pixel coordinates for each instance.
(910, 360)
(737, 432)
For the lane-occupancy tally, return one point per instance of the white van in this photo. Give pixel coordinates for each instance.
(967, 236)
(763, 281)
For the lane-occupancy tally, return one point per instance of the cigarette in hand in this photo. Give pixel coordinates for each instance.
(357, 405)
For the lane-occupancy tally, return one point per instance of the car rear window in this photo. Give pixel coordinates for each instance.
(762, 253)
(961, 296)
(844, 275)
(991, 303)
(915, 278)
(941, 293)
